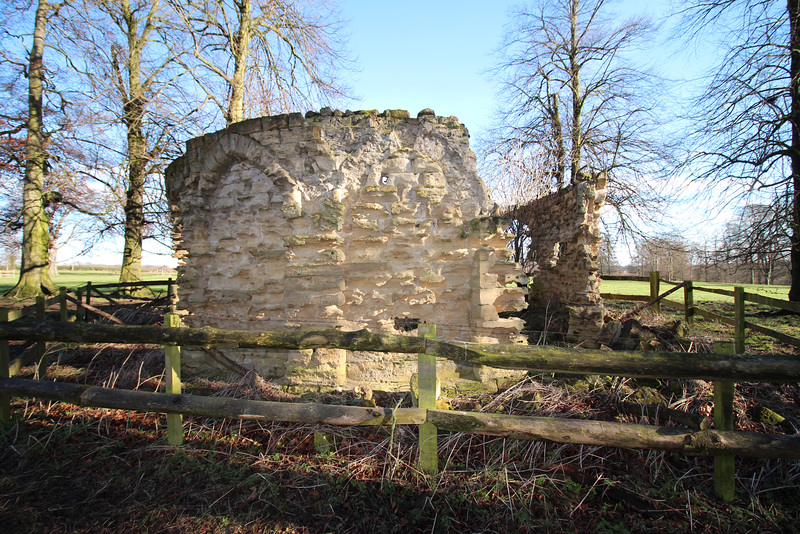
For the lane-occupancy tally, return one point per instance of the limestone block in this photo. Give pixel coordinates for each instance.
(291, 210)
(486, 281)
(433, 179)
(511, 299)
(405, 208)
(487, 296)
(487, 312)
(402, 180)
(367, 224)
(512, 324)
(321, 366)
(432, 278)
(425, 165)
(431, 193)
(393, 255)
(396, 165)
(379, 190)
(313, 269)
(366, 253)
(369, 206)
(326, 162)
(484, 373)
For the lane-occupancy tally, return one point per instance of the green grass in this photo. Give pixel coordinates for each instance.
(632, 287)
(75, 279)
(708, 329)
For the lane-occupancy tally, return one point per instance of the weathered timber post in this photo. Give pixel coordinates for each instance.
(688, 302)
(41, 346)
(172, 372)
(5, 400)
(724, 463)
(426, 371)
(79, 305)
(172, 295)
(62, 304)
(655, 281)
(739, 319)
(88, 293)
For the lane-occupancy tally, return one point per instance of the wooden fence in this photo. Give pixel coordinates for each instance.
(85, 293)
(723, 367)
(739, 295)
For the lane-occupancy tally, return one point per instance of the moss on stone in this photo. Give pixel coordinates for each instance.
(383, 189)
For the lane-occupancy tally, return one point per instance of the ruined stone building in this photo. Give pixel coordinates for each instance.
(565, 242)
(343, 220)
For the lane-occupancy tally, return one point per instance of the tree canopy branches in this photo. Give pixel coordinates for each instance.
(571, 94)
(747, 118)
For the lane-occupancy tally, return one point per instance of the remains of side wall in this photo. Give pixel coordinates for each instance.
(341, 220)
(565, 246)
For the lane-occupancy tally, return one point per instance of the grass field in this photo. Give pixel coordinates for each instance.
(75, 279)
(632, 287)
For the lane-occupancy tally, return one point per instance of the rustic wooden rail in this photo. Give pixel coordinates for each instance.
(90, 289)
(722, 368)
(739, 296)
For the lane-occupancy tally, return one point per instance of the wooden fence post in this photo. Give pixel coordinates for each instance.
(738, 310)
(688, 302)
(5, 400)
(41, 346)
(62, 304)
(724, 463)
(426, 372)
(172, 372)
(88, 293)
(172, 296)
(655, 280)
(79, 305)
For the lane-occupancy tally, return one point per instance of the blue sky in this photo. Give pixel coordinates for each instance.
(426, 54)
(416, 54)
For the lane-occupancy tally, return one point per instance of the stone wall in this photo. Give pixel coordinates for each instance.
(341, 220)
(565, 245)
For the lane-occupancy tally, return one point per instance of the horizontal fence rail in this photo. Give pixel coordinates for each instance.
(739, 296)
(579, 432)
(635, 364)
(721, 367)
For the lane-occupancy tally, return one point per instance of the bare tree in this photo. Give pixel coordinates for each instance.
(515, 180)
(259, 57)
(748, 117)
(34, 273)
(758, 241)
(128, 83)
(571, 95)
(669, 254)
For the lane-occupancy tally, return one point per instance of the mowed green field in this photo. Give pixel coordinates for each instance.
(75, 279)
(631, 287)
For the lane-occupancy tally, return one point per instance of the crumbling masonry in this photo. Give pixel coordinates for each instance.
(343, 220)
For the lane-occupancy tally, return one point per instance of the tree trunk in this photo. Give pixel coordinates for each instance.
(241, 50)
(34, 276)
(794, 72)
(558, 135)
(53, 258)
(575, 85)
(134, 110)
